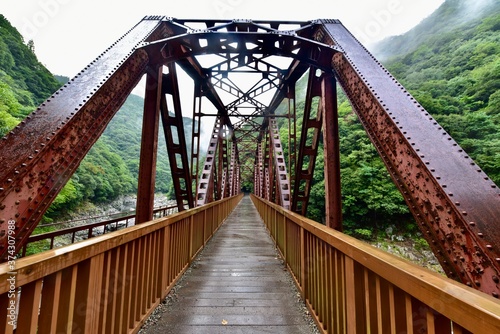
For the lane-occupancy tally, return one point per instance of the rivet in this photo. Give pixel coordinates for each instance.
(472, 224)
(489, 246)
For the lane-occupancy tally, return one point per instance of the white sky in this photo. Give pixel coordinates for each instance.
(68, 34)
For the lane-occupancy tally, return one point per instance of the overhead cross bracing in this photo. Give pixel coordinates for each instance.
(244, 74)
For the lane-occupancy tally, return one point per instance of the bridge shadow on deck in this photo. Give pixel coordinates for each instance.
(237, 284)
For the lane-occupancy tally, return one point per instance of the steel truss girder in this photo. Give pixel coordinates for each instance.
(40, 155)
(195, 134)
(205, 192)
(222, 167)
(331, 143)
(176, 147)
(453, 201)
(308, 146)
(234, 170)
(282, 183)
(149, 145)
(259, 171)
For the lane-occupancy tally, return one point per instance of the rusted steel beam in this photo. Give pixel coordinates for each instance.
(308, 146)
(39, 156)
(176, 146)
(222, 166)
(206, 183)
(195, 135)
(232, 170)
(259, 176)
(292, 133)
(331, 146)
(149, 146)
(280, 172)
(268, 169)
(453, 201)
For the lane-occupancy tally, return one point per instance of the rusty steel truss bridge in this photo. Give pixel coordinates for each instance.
(244, 74)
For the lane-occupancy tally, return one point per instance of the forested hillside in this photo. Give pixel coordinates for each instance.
(455, 75)
(24, 82)
(110, 169)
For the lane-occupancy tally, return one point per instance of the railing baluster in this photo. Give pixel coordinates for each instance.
(50, 303)
(351, 287)
(29, 307)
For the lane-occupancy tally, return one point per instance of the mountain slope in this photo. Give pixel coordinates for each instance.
(111, 166)
(451, 15)
(24, 82)
(455, 75)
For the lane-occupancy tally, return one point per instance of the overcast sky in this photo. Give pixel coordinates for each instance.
(68, 34)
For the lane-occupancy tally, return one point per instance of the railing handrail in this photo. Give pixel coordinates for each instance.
(85, 249)
(470, 308)
(130, 215)
(109, 283)
(63, 231)
(88, 227)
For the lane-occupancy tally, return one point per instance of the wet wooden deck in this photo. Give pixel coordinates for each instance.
(236, 285)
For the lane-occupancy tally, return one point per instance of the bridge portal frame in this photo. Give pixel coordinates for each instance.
(454, 202)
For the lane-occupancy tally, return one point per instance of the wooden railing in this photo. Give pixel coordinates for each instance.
(87, 231)
(107, 284)
(352, 287)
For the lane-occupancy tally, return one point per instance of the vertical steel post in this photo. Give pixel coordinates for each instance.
(195, 136)
(333, 200)
(176, 140)
(149, 146)
(292, 133)
(308, 146)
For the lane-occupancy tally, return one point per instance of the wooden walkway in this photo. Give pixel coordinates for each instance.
(236, 285)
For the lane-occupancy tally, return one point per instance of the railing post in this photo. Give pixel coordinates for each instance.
(350, 295)
(191, 234)
(302, 263)
(284, 238)
(165, 261)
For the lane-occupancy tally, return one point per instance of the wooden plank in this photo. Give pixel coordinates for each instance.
(129, 288)
(350, 293)
(7, 319)
(50, 303)
(238, 278)
(87, 295)
(67, 300)
(27, 321)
